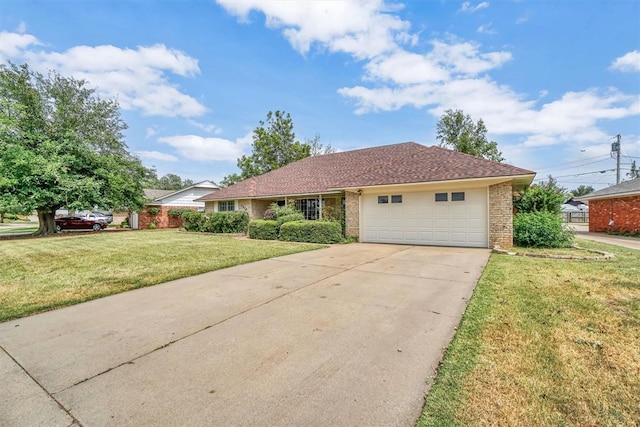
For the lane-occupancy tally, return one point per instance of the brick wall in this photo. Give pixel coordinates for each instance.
(625, 212)
(501, 215)
(163, 220)
(352, 214)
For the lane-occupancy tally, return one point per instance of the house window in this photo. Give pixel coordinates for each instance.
(308, 207)
(226, 206)
(383, 199)
(457, 197)
(396, 199)
(442, 197)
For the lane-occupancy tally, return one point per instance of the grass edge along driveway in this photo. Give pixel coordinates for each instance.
(42, 274)
(545, 342)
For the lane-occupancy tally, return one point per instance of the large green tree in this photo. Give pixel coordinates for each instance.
(61, 145)
(274, 145)
(169, 181)
(582, 190)
(459, 132)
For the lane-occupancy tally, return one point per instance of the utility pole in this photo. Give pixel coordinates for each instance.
(615, 147)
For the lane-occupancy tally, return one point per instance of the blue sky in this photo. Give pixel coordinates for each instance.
(554, 81)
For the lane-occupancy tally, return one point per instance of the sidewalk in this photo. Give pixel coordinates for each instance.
(582, 232)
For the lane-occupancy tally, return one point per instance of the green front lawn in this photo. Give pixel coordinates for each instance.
(545, 342)
(42, 274)
(26, 229)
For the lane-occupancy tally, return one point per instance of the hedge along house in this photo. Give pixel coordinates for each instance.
(163, 201)
(616, 208)
(403, 193)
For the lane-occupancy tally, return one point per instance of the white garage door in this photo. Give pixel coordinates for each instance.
(457, 218)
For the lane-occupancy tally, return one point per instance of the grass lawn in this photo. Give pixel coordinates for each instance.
(18, 230)
(545, 342)
(42, 274)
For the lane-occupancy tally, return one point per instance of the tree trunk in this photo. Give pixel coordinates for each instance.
(47, 226)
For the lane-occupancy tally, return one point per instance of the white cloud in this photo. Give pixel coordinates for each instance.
(151, 131)
(466, 58)
(207, 127)
(199, 148)
(14, 44)
(156, 155)
(522, 19)
(137, 77)
(363, 29)
(487, 29)
(452, 74)
(469, 8)
(629, 62)
(22, 27)
(404, 67)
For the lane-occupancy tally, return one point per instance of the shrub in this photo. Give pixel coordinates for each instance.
(311, 232)
(540, 229)
(152, 226)
(290, 218)
(225, 222)
(193, 220)
(269, 214)
(263, 229)
(274, 211)
(177, 212)
(153, 211)
(539, 199)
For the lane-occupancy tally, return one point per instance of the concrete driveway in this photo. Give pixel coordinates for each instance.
(347, 335)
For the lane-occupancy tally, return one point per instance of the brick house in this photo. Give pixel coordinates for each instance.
(165, 200)
(616, 208)
(403, 193)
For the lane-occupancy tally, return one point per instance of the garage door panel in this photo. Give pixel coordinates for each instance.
(440, 223)
(458, 223)
(419, 219)
(459, 238)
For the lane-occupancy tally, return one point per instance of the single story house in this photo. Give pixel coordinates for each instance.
(616, 208)
(403, 193)
(165, 200)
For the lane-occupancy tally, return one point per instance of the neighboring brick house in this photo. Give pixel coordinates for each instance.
(403, 193)
(616, 208)
(165, 200)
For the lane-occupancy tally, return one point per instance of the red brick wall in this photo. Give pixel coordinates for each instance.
(625, 212)
(163, 220)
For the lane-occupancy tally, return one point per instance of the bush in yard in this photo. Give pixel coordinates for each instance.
(539, 199)
(540, 230)
(274, 211)
(225, 222)
(263, 229)
(311, 232)
(290, 218)
(193, 220)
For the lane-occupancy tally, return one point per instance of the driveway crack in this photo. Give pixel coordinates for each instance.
(51, 396)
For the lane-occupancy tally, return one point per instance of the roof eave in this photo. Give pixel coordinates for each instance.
(518, 179)
(611, 195)
(272, 196)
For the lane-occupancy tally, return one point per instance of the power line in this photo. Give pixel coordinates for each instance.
(584, 173)
(552, 168)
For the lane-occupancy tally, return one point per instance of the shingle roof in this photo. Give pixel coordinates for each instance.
(153, 194)
(404, 163)
(627, 188)
(157, 195)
